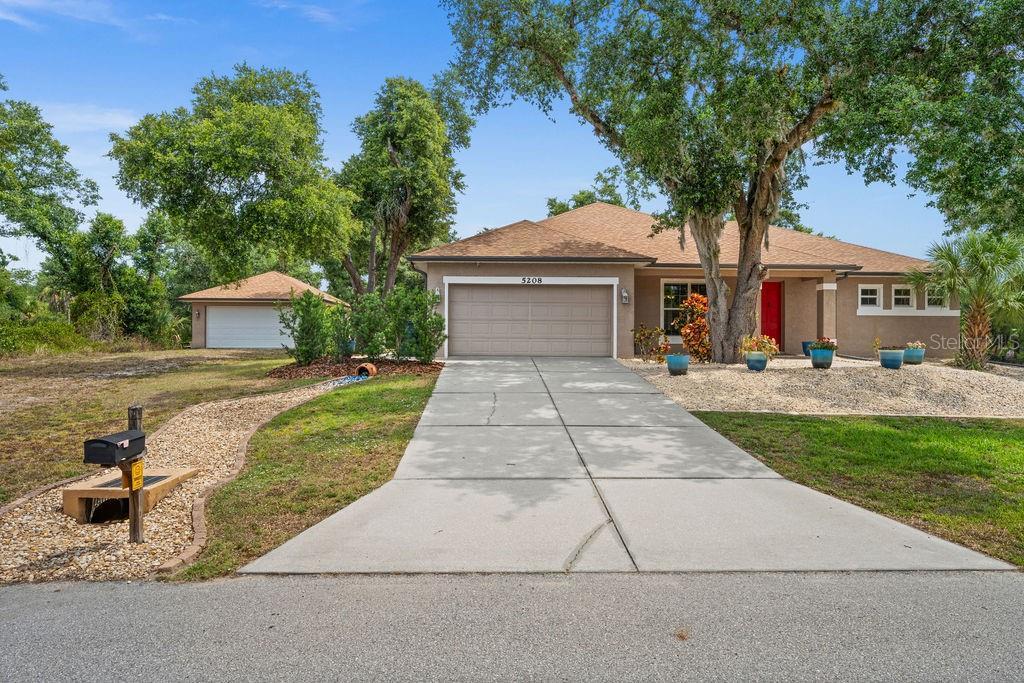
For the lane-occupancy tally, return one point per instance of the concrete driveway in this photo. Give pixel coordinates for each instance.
(579, 465)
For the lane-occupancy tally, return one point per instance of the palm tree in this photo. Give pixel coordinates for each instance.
(985, 271)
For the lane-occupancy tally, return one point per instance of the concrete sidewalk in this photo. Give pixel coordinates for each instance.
(578, 465)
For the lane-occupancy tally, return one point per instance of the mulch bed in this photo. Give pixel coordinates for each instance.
(325, 367)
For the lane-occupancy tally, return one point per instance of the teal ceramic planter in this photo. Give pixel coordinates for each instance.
(757, 360)
(891, 359)
(678, 363)
(806, 345)
(913, 356)
(822, 358)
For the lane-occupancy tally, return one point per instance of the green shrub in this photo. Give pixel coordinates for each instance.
(370, 322)
(401, 306)
(341, 332)
(40, 335)
(426, 325)
(309, 326)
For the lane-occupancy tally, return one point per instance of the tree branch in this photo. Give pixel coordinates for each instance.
(353, 274)
(601, 127)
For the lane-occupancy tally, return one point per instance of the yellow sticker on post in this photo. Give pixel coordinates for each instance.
(137, 475)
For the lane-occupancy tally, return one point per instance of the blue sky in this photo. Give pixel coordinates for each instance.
(95, 66)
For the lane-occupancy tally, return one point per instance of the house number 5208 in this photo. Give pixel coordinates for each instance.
(532, 280)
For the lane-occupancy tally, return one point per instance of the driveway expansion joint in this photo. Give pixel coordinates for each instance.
(590, 476)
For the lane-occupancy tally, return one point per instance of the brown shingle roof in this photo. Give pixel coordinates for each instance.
(629, 231)
(527, 240)
(271, 286)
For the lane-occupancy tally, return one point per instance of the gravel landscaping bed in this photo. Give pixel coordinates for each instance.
(850, 387)
(41, 543)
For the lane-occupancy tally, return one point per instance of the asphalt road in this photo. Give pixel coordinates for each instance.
(766, 626)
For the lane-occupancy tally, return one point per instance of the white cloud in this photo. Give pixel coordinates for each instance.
(320, 14)
(6, 15)
(317, 13)
(169, 19)
(22, 12)
(86, 118)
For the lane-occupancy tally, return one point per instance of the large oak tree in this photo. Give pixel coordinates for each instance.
(241, 171)
(713, 101)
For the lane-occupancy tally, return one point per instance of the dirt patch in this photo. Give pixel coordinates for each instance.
(327, 368)
(28, 380)
(850, 387)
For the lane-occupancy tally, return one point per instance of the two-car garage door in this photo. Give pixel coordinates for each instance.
(529, 320)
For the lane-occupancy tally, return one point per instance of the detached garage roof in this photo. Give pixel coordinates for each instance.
(270, 287)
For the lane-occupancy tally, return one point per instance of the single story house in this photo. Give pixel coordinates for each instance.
(245, 314)
(576, 284)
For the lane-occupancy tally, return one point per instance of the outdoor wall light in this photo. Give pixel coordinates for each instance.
(625, 296)
(437, 291)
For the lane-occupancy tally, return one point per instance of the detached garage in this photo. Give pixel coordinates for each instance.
(244, 314)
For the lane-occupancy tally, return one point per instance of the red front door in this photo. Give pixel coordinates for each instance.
(771, 310)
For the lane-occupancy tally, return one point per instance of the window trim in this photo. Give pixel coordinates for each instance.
(913, 297)
(880, 293)
(944, 306)
(674, 338)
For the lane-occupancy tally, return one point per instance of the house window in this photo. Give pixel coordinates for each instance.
(673, 294)
(935, 298)
(902, 296)
(870, 296)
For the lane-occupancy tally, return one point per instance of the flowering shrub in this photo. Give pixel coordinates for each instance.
(693, 327)
(824, 343)
(760, 342)
(651, 343)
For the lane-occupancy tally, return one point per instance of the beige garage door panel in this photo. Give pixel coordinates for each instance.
(540, 320)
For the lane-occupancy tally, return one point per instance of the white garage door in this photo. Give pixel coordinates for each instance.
(244, 327)
(529, 320)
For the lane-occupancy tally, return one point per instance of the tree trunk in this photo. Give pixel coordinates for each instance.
(394, 258)
(750, 273)
(371, 273)
(706, 231)
(730, 321)
(353, 275)
(977, 338)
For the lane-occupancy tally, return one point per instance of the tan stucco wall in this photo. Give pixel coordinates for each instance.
(624, 337)
(198, 326)
(800, 304)
(857, 333)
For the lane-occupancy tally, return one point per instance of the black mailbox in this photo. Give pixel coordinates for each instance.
(112, 449)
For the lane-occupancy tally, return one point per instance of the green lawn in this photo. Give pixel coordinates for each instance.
(962, 480)
(50, 404)
(308, 463)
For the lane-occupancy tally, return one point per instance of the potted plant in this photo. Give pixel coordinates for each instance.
(823, 352)
(757, 350)
(914, 353)
(891, 357)
(678, 363)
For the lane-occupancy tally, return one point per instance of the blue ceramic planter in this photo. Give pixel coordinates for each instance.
(807, 347)
(913, 356)
(891, 359)
(678, 363)
(822, 358)
(757, 360)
